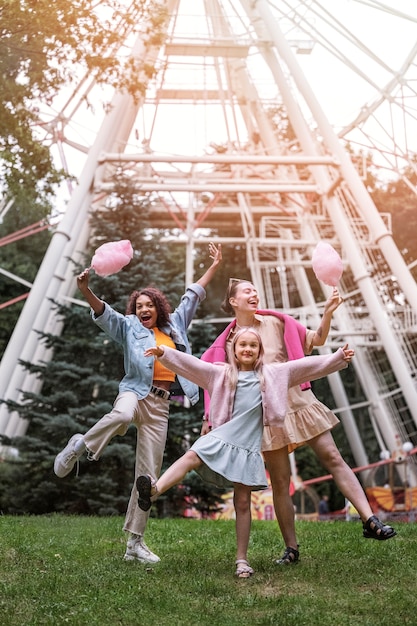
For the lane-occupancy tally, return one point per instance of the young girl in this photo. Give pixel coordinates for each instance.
(245, 396)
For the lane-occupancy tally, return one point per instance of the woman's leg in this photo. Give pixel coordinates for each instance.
(114, 423)
(96, 439)
(279, 469)
(151, 422)
(329, 456)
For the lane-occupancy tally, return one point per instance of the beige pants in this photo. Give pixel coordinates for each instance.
(150, 416)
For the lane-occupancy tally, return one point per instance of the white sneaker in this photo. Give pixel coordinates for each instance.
(137, 549)
(68, 457)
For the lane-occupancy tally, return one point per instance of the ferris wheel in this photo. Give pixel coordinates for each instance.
(359, 58)
(242, 128)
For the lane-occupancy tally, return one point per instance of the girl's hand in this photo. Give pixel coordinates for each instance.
(156, 351)
(348, 353)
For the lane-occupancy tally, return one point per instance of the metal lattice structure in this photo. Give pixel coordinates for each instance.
(208, 144)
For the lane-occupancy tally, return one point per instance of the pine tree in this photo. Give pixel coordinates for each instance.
(81, 381)
(20, 255)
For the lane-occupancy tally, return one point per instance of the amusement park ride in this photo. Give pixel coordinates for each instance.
(208, 143)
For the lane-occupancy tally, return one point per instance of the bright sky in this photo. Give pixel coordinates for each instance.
(353, 29)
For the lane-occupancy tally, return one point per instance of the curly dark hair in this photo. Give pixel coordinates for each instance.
(162, 305)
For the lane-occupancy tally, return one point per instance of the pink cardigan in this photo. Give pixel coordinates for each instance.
(294, 339)
(278, 377)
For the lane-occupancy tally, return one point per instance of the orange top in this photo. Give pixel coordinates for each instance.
(160, 372)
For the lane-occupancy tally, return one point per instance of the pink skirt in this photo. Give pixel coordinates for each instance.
(307, 418)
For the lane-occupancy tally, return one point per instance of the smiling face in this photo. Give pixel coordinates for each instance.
(245, 299)
(146, 311)
(247, 350)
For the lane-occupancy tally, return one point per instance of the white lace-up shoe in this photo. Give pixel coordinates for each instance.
(68, 457)
(137, 549)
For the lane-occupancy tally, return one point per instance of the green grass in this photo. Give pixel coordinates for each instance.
(69, 570)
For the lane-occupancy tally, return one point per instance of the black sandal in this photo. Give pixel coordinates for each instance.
(145, 491)
(373, 528)
(291, 556)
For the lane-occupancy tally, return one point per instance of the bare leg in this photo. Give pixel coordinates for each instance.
(278, 465)
(176, 472)
(331, 459)
(242, 504)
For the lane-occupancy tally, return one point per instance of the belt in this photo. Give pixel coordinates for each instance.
(161, 393)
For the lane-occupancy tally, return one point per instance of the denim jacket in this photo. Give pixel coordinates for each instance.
(135, 339)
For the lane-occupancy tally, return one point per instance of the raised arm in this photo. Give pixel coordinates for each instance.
(215, 254)
(330, 307)
(96, 304)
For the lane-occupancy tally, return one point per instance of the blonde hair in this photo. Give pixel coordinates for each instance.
(233, 367)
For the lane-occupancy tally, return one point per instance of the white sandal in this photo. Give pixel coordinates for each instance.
(243, 569)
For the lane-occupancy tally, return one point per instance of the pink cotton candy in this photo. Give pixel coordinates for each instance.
(327, 264)
(111, 257)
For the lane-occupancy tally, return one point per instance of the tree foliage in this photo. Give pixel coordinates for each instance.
(81, 381)
(399, 200)
(45, 46)
(20, 255)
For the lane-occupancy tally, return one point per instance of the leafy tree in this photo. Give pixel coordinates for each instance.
(400, 200)
(45, 46)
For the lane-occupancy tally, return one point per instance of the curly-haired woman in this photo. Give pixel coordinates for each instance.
(144, 391)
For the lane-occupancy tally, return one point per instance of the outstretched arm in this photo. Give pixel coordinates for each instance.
(215, 254)
(330, 307)
(314, 367)
(96, 304)
(184, 364)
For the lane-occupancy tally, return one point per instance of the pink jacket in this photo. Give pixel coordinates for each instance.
(278, 377)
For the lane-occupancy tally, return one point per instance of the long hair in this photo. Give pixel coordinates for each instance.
(230, 293)
(233, 367)
(162, 305)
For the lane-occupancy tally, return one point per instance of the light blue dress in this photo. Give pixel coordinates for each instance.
(232, 452)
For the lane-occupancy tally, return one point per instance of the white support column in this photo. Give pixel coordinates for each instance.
(339, 220)
(49, 282)
(369, 211)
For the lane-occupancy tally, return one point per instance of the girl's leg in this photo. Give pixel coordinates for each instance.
(176, 472)
(242, 504)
